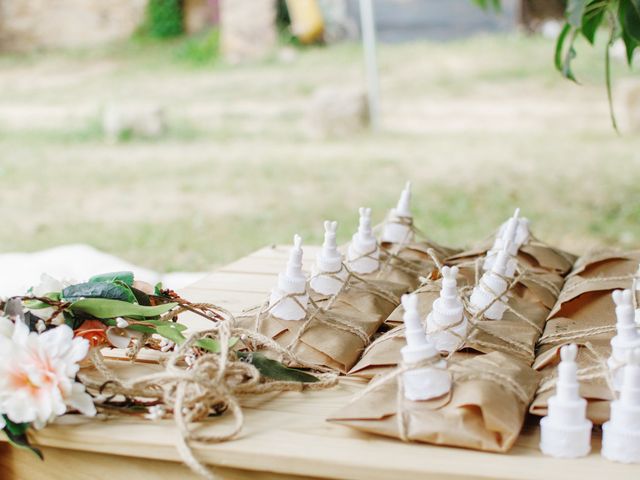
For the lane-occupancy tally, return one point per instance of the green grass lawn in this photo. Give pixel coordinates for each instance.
(480, 126)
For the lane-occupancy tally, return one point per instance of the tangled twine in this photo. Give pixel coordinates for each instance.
(213, 384)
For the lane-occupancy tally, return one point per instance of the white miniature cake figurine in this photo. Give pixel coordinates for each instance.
(627, 337)
(507, 234)
(328, 274)
(364, 253)
(621, 434)
(566, 432)
(431, 381)
(398, 228)
(446, 324)
(289, 299)
(491, 284)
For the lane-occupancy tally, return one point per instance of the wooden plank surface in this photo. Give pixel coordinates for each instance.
(284, 435)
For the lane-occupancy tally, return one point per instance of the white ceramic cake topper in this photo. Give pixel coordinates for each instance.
(621, 434)
(291, 282)
(506, 235)
(566, 432)
(447, 324)
(627, 337)
(431, 381)
(363, 255)
(328, 274)
(394, 231)
(491, 284)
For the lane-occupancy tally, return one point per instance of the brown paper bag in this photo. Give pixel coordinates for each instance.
(533, 255)
(335, 330)
(485, 409)
(585, 314)
(405, 264)
(516, 334)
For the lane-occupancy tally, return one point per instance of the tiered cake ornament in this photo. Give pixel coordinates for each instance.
(433, 380)
(627, 337)
(566, 432)
(328, 274)
(493, 284)
(513, 233)
(363, 255)
(398, 227)
(621, 434)
(289, 299)
(447, 323)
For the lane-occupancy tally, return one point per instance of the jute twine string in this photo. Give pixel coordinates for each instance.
(459, 371)
(600, 370)
(212, 384)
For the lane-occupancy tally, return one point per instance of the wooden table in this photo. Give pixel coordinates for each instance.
(285, 436)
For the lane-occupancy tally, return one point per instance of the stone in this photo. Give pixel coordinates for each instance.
(337, 112)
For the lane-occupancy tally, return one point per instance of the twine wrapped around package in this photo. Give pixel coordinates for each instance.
(408, 261)
(214, 383)
(585, 315)
(485, 409)
(534, 255)
(336, 328)
(516, 334)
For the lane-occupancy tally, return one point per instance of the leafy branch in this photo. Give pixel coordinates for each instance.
(584, 18)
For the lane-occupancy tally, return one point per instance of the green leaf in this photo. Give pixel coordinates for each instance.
(106, 308)
(141, 297)
(630, 46)
(560, 46)
(98, 290)
(212, 345)
(591, 20)
(171, 333)
(124, 277)
(17, 435)
(276, 370)
(157, 290)
(575, 11)
(630, 18)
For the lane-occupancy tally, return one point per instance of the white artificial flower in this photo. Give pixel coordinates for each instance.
(121, 322)
(37, 375)
(47, 284)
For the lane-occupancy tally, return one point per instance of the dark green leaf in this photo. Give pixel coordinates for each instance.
(575, 11)
(17, 435)
(630, 46)
(106, 308)
(630, 18)
(98, 290)
(124, 277)
(276, 370)
(141, 297)
(591, 21)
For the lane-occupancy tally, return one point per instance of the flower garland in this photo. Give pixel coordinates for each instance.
(46, 335)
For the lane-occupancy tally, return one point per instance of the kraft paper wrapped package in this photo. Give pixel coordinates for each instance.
(408, 263)
(336, 329)
(530, 301)
(534, 255)
(585, 315)
(485, 409)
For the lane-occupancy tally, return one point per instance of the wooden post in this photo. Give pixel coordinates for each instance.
(368, 27)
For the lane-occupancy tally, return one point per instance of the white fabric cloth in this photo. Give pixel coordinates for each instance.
(20, 271)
